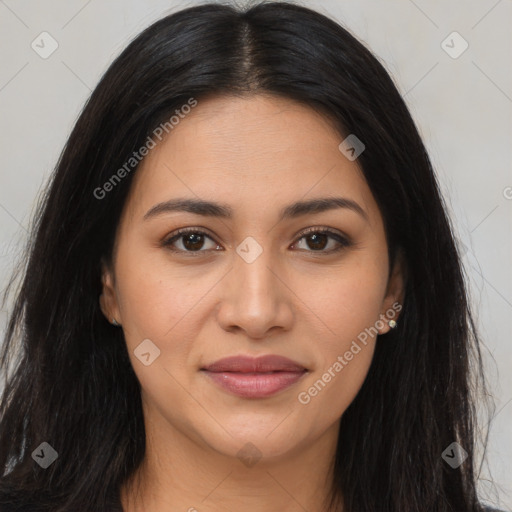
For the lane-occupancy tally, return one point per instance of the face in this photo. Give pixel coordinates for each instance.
(252, 276)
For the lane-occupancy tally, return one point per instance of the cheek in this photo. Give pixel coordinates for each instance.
(343, 355)
(160, 306)
(331, 390)
(156, 297)
(348, 307)
(350, 299)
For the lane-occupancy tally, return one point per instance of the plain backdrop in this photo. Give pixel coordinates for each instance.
(461, 99)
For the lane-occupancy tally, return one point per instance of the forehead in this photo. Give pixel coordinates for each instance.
(257, 152)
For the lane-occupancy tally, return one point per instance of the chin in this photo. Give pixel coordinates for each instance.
(250, 439)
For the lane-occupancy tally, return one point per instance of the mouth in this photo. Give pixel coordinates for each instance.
(250, 377)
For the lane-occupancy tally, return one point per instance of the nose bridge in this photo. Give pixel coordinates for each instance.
(255, 301)
(256, 284)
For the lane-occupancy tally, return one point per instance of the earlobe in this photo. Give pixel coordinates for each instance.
(395, 293)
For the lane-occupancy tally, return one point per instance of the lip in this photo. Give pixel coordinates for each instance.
(255, 377)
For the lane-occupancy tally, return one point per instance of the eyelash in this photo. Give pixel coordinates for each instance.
(343, 241)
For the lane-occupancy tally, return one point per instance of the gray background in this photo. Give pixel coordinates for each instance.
(462, 106)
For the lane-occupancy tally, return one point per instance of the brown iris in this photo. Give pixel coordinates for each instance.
(319, 240)
(193, 241)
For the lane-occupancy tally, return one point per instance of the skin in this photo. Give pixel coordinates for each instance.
(256, 154)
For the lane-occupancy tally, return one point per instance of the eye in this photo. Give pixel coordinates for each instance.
(191, 240)
(317, 239)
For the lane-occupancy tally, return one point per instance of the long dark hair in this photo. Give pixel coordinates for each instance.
(69, 381)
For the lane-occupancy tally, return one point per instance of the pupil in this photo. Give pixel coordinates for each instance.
(193, 241)
(316, 238)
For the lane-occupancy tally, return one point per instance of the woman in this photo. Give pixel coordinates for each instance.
(242, 289)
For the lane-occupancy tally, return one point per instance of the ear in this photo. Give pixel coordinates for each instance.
(108, 297)
(393, 301)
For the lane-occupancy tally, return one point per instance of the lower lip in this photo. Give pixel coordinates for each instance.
(254, 385)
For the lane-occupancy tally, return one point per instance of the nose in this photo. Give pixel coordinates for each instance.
(256, 299)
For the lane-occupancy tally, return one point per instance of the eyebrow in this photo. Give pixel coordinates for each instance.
(211, 209)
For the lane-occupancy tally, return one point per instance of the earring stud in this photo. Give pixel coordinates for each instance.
(114, 322)
(392, 324)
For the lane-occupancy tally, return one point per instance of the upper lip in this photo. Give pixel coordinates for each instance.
(246, 364)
